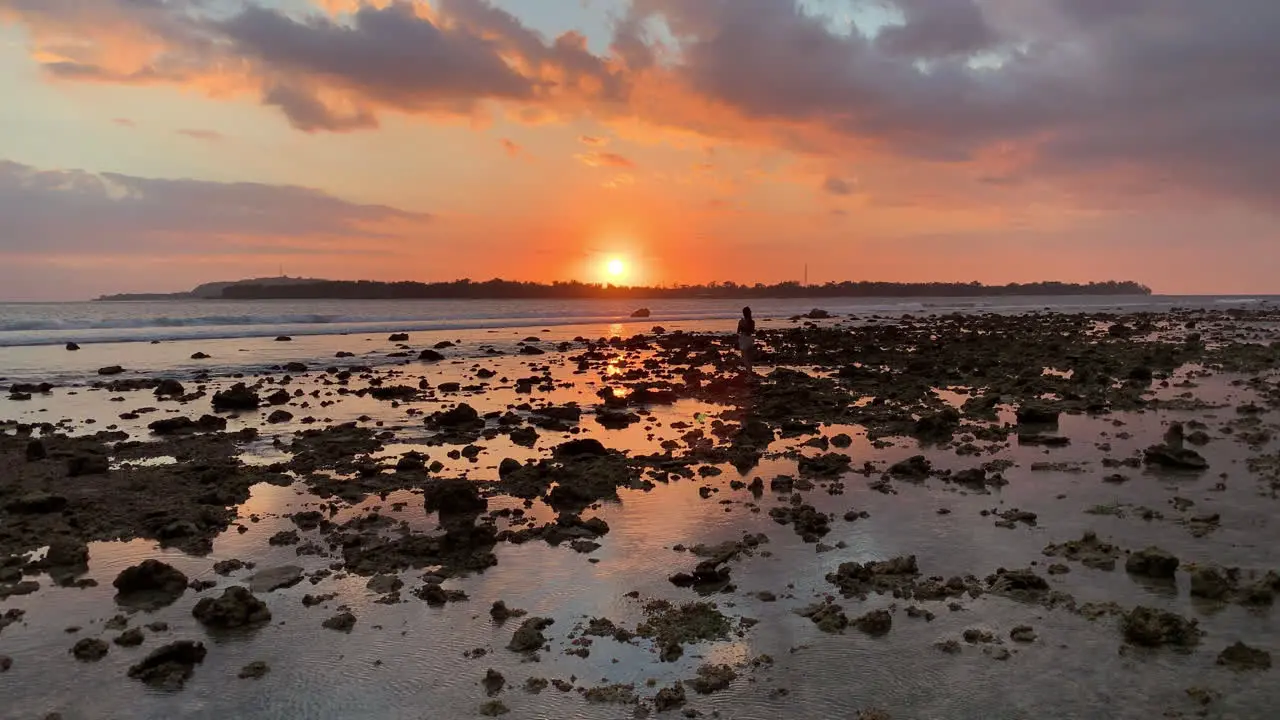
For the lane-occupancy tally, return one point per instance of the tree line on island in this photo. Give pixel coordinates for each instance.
(508, 289)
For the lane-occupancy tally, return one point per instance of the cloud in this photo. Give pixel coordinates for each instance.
(837, 186)
(124, 122)
(206, 135)
(593, 141)
(604, 159)
(81, 213)
(1100, 96)
(512, 148)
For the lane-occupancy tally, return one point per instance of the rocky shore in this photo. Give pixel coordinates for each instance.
(619, 527)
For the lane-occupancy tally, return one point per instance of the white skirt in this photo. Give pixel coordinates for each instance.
(746, 342)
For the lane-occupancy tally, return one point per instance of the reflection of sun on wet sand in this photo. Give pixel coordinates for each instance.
(675, 535)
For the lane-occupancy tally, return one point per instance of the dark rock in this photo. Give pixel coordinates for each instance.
(342, 622)
(1210, 583)
(88, 464)
(461, 416)
(501, 613)
(38, 503)
(529, 638)
(284, 338)
(199, 356)
(430, 356)
(36, 450)
(237, 397)
(398, 337)
(279, 416)
(1152, 562)
(72, 346)
(524, 437)
(1175, 458)
(581, 448)
(274, 579)
(641, 313)
(111, 370)
(130, 638)
(876, 622)
(279, 397)
(1242, 657)
(670, 698)
(1038, 415)
(236, 608)
(1152, 628)
(713, 678)
(169, 667)
(152, 583)
(90, 650)
(916, 467)
(454, 497)
(493, 682)
(254, 671)
(170, 388)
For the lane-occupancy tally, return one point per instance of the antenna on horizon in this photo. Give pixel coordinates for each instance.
(806, 275)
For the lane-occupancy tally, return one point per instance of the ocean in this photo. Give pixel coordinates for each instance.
(239, 335)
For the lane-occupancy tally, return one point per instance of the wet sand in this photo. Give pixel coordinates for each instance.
(1052, 447)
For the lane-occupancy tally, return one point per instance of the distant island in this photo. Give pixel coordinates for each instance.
(286, 288)
(211, 291)
(505, 289)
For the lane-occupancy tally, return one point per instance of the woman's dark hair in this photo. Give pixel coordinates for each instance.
(746, 312)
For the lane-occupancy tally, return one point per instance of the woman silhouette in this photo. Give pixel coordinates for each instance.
(747, 338)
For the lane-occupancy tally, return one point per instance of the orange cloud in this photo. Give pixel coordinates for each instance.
(511, 147)
(604, 159)
(206, 135)
(593, 141)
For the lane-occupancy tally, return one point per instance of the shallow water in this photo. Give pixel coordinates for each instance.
(407, 660)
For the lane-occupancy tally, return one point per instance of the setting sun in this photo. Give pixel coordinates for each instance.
(615, 268)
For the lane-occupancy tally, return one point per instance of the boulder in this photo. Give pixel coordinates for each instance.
(1175, 458)
(236, 608)
(152, 583)
(111, 370)
(529, 638)
(90, 650)
(1152, 628)
(87, 464)
(1242, 657)
(237, 397)
(72, 346)
(1152, 562)
(37, 503)
(1038, 415)
(170, 388)
(642, 313)
(169, 667)
(429, 355)
(454, 497)
(277, 578)
(398, 337)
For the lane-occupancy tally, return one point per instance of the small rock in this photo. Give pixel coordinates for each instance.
(236, 608)
(1242, 657)
(90, 650)
(1152, 562)
(254, 670)
(130, 638)
(342, 622)
(1023, 634)
(493, 682)
(169, 667)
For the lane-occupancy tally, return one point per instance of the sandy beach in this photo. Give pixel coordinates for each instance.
(1040, 514)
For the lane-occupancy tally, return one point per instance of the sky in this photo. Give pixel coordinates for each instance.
(150, 145)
